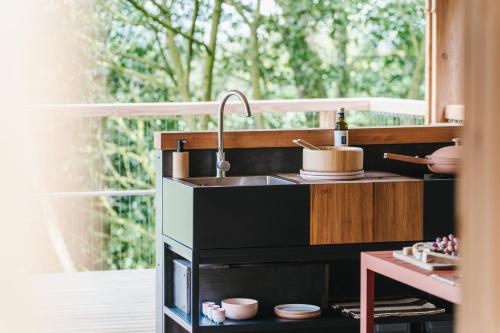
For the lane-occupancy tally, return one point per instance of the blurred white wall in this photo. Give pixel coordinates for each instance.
(31, 50)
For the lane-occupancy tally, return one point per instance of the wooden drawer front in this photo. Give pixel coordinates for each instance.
(341, 213)
(398, 211)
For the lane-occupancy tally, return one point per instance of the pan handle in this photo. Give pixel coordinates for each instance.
(405, 158)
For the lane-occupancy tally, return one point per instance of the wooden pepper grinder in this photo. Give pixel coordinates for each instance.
(180, 161)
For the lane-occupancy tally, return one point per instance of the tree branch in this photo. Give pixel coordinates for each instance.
(164, 57)
(150, 79)
(189, 53)
(209, 63)
(240, 8)
(166, 25)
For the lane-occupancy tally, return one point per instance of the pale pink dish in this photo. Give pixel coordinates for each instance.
(240, 308)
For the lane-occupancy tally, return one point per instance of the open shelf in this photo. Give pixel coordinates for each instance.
(178, 248)
(326, 320)
(259, 323)
(316, 253)
(179, 317)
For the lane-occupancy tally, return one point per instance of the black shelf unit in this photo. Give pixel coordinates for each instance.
(330, 320)
(195, 322)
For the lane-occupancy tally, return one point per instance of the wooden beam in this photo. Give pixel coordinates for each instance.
(448, 80)
(204, 108)
(283, 138)
(409, 107)
(479, 188)
(429, 52)
(377, 104)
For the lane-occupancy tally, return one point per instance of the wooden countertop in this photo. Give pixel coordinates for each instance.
(323, 137)
(369, 177)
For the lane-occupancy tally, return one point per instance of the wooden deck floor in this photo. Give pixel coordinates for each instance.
(98, 302)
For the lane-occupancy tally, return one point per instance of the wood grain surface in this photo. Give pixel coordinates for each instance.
(180, 164)
(341, 213)
(121, 301)
(479, 186)
(364, 211)
(318, 137)
(448, 72)
(333, 159)
(398, 211)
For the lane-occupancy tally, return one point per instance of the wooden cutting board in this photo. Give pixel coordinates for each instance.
(427, 266)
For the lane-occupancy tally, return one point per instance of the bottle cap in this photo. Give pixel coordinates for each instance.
(180, 145)
(340, 112)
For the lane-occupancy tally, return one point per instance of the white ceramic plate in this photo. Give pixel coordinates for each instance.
(321, 173)
(349, 177)
(297, 309)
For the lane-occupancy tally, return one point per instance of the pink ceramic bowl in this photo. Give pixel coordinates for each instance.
(240, 308)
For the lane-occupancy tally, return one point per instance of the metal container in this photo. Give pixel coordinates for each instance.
(182, 285)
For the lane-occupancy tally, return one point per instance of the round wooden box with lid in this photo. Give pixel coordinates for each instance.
(333, 159)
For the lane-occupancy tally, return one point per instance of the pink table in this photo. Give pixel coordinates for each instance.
(384, 263)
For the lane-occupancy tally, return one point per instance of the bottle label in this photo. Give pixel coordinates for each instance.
(341, 138)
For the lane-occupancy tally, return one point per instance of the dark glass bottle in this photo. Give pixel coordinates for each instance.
(341, 131)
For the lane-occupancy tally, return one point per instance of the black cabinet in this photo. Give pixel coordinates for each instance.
(236, 217)
(439, 207)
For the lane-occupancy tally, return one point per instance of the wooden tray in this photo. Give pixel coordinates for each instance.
(427, 266)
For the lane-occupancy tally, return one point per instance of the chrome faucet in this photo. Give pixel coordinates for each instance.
(222, 165)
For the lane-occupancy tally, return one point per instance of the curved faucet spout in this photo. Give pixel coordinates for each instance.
(220, 132)
(223, 165)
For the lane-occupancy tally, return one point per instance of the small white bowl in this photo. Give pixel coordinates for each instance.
(210, 309)
(204, 306)
(218, 315)
(240, 308)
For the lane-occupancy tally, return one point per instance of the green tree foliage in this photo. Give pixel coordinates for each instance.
(194, 50)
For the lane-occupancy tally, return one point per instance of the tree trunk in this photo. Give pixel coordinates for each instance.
(189, 53)
(209, 64)
(340, 36)
(418, 71)
(254, 63)
(182, 81)
(177, 65)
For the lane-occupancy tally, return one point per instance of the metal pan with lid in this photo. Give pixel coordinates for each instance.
(444, 160)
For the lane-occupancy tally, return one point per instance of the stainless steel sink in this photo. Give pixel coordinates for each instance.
(238, 181)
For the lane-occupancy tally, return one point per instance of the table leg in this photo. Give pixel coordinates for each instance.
(367, 294)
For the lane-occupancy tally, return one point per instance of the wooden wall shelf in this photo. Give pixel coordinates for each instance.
(283, 138)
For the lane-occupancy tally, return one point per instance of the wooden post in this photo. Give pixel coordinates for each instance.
(428, 60)
(327, 119)
(447, 77)
(479, 188)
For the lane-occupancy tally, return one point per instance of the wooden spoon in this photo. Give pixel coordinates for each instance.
(305, 144)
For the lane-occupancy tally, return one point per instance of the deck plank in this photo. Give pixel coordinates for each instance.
(99, 302)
